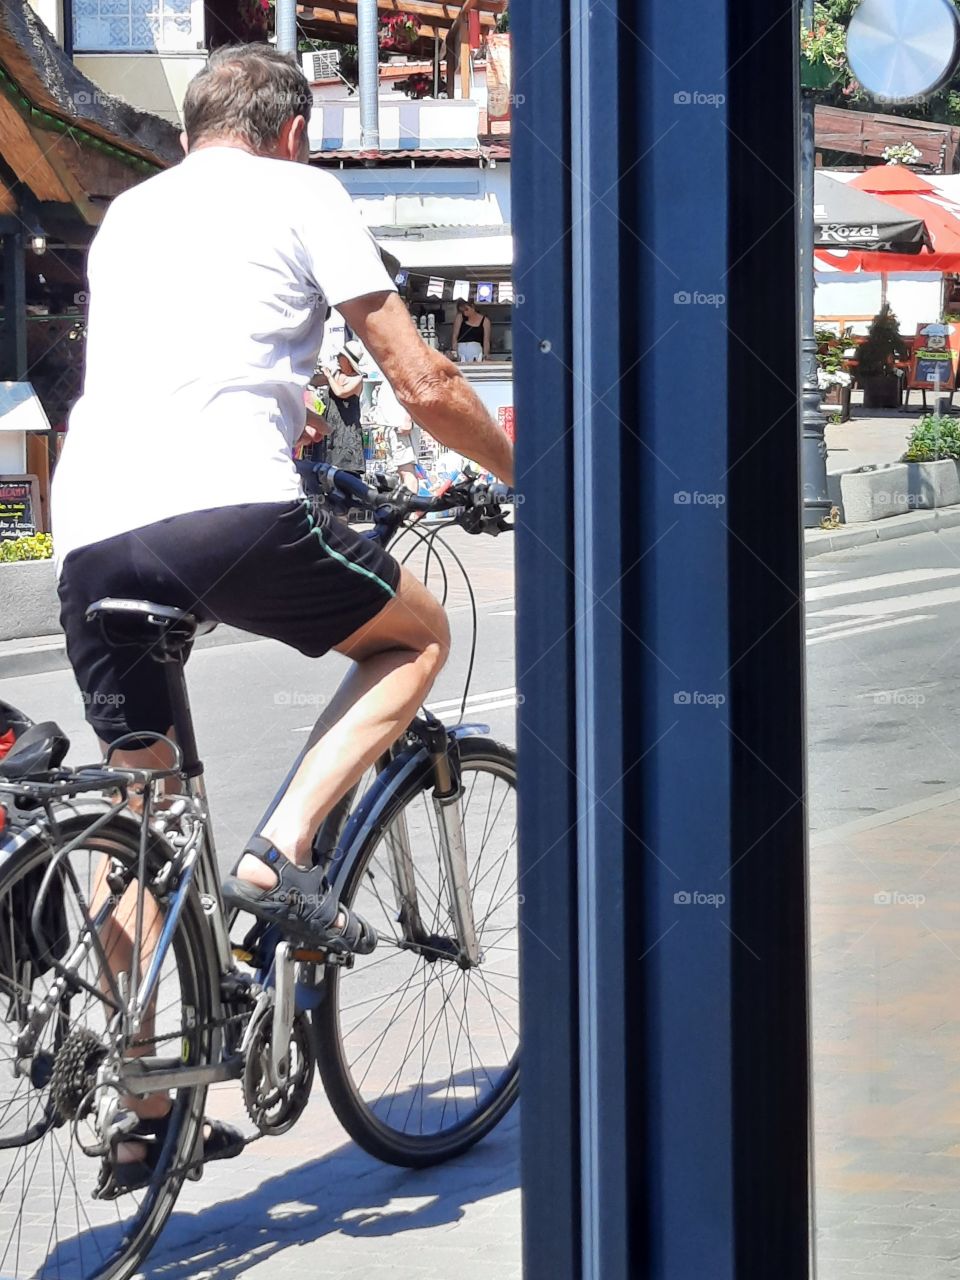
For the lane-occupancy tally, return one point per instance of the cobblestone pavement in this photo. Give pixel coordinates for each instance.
(311, 1203)
(886, 1042)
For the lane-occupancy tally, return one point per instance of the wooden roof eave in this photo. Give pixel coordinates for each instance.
(339, 17)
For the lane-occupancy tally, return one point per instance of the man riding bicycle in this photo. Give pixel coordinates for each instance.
(199, 501)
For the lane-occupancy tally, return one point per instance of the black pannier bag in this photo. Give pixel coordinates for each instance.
(18, 945)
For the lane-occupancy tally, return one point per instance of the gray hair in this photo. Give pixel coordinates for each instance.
(246, 91)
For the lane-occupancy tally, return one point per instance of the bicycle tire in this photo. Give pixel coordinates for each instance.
(358, 1117)
(109, 1247)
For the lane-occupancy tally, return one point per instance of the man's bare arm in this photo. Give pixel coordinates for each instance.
(432, 389)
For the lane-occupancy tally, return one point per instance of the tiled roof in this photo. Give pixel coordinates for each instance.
(491, 151)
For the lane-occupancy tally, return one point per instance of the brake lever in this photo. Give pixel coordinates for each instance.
(489, 520)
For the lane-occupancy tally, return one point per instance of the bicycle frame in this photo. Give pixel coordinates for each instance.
(428, 744)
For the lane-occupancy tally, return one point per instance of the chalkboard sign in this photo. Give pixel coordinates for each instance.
(19, 506)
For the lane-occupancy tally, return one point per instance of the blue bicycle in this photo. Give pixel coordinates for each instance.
(417, 1044)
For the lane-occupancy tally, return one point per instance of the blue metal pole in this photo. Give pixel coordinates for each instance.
(659, 644)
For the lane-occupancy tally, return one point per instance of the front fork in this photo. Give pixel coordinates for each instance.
(448, 806)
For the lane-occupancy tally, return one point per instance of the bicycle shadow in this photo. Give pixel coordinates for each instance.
(344, 1192)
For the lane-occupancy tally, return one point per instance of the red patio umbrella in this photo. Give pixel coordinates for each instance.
(899, 186)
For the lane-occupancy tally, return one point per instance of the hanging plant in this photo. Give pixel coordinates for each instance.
(416, 86)
(399, 32)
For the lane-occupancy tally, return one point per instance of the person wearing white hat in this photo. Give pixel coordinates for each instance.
(343, 444)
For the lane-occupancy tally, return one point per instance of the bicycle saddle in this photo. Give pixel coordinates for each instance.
(39, 748)
(167, 631)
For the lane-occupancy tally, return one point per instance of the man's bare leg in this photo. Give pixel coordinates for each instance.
(117, 937)
(398, 656)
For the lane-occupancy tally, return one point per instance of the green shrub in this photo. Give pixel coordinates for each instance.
(38, 546)
(933, 438)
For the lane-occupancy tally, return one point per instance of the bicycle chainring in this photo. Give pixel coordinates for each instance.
(275, 1110)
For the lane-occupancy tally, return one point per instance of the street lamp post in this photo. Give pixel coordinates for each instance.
(816, 498)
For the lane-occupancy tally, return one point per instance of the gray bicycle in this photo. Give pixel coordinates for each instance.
(121, 977)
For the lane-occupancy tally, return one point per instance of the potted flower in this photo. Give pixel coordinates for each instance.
(823, 53)
(398, 32)
(416, 86)
(902, 153)
(877, 361)
(832, 373)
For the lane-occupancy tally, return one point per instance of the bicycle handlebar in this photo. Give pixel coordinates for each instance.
(478, 504)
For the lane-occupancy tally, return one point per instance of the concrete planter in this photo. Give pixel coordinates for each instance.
(874, 493)
(28, 600)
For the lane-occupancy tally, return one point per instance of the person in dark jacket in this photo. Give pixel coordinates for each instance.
(343, 444)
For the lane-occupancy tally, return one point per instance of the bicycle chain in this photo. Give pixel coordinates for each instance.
(215, 1024)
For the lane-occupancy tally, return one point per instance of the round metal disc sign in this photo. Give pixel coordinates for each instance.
(901, 49)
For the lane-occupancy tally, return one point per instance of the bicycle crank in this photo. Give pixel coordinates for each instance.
(275, 1106)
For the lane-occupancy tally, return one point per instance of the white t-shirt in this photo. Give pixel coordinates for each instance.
(209, 286)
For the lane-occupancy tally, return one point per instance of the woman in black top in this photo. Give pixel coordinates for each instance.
(471, 334)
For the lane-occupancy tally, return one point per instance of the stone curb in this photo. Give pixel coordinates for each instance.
(818, 542)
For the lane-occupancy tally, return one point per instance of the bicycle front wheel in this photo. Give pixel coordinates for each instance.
(51, 1224)
(418, 1056)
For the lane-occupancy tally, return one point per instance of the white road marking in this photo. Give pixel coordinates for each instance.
(504, 613)
(822, 573)
(475, 709)
(449, 708)
(474, 697)
(847, 625)
(866, 628)
(896, 604)
(879, 582)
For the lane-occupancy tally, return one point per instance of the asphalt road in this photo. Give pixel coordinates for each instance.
(254, 704)
(883, 636)
(883, 629)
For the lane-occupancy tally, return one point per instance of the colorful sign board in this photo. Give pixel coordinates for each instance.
(936, 352)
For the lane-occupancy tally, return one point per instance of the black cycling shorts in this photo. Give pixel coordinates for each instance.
(273, 569)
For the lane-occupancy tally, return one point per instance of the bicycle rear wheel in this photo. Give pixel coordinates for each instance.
(50, 1223)
(419, 1057)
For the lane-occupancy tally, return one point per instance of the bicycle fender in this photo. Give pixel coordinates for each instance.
(368, 812)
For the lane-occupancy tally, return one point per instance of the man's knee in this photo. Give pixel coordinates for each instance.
(438, 644)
